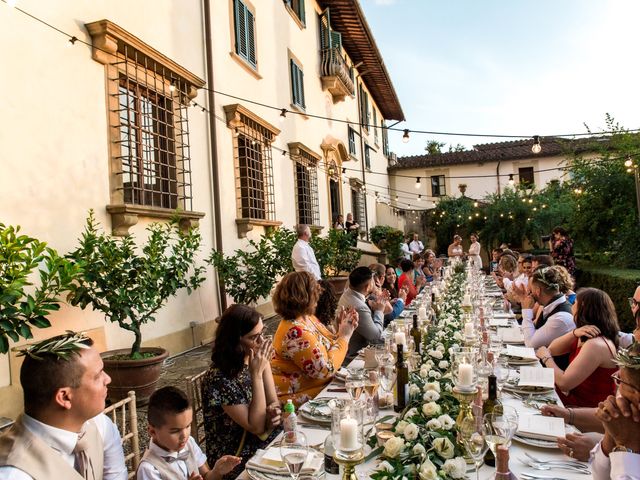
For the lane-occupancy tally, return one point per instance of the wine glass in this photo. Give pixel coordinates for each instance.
(354, 383)
(501, 371)
(294, 450)
(474, 432)
(371, 383)
(503, 422)
(387, 375)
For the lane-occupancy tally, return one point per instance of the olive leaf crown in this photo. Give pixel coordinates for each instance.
(61, 346)
(628, 359)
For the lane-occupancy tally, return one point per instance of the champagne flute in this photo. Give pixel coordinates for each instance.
(503, 423)
(355, 384)
(501, 371)
(294, 450)
(387, 375)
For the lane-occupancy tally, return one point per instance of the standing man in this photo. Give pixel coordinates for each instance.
(416, 245)
(302, 256)
(63, 432)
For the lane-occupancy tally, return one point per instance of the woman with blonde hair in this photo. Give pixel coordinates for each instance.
(455, 249)
(307, 354)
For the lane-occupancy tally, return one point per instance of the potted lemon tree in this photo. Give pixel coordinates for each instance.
(130, 284)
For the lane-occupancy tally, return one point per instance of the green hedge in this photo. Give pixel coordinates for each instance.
(619, 283)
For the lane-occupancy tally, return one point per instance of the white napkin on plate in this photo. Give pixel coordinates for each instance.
(270, 461)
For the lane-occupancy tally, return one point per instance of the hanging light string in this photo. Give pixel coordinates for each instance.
(72, 39)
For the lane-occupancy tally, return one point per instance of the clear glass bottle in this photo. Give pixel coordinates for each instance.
(484, 368)
(330, 465)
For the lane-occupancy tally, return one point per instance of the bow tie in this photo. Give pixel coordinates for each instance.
(184, 456)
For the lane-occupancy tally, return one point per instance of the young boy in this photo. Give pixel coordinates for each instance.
(172, 452)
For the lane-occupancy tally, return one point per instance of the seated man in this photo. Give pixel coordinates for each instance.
(63, 432)
(370, 311)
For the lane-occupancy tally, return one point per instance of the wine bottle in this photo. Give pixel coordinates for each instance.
(402, 381)
(488, 406)
(415, 333)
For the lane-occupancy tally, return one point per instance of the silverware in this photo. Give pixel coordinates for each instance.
(315, 426)
(529, 476)
(572, 462)
(558, 465)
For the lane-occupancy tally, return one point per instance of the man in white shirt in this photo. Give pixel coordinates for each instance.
(302, 255)
(617, 457)
(63, 432)
(556, 317)
(404, 248)
(416, 245)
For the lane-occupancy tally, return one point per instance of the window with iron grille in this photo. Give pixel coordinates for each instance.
(438, 187)
(306, 187)
(148, 97)
(297, 84)
(245, 35)
(353, 149)
(297, 7)
(525, 174)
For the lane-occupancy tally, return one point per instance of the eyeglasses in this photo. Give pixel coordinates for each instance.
(633, 302)
(616, 378)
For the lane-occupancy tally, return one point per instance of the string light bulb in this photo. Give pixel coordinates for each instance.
(283, 115)
(536, 147)
(417, 182)
(475, 204)
(72, 41)
(511, 180)
(405, 136)
(628, 162)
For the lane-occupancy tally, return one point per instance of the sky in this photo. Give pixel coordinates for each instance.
(515, 67)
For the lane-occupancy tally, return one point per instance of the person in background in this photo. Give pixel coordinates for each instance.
(302, 255)
(370, 313)
(327, 305)
(561, 247)
(591, 347)
(339, 223)
(416, 245)
(541, 261)
(307, 354)
(239, 402)
(474, 251)
(352, 228)
(173, 452)
(617, 457)
(394, 304)
(557, 318)
(507, 270)
(406, 281)
(391, 281)
(455, 249)
(431, 267)
(404, 247)
(495, 257)
(418, 263)
(63, 429)
(566, 284)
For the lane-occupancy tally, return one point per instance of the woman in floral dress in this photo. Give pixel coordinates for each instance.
(562, 249)
(307, 354)
(241, 410)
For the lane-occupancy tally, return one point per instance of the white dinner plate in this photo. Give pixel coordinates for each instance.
(527, 391)
(536, 442)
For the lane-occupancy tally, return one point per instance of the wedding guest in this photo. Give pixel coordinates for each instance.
(495, 257)
(591, 346)
(339, 223)
(307, 354)
(173, 452)
(406, 281)
(474, 251)
(618, 455)
(391, 281)
(566, 284)
(370, 322)
(404, 247)
(327, 305)
(431, 267)
(302, 256)
(352, 227)
(455, 249)
(239, 402)
(394, 304)
(416, 245)
(418, 263)
(62, 432)
(541, 261)
(561, 247)
(557, 319)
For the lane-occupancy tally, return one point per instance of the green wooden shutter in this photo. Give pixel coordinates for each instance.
(301, 86)
(325, 30)
(251, 42)
(301, 14)
(297, 84)
(241, 29)
(336, 39)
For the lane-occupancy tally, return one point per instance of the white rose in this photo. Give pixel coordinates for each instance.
(443, 364)
(418, 449)
(428, 471)
(428, 364)
(434, 374)
(443, 447)
(436, 354)
(458, 336)
(411, 432)
(411, 412)
(430, 396)
(434, 424)
(440, 348)
(414, 390)
(431, 409)
(424, 372)
(431, 386)
(455, 467)
(385, 467)
(401, 426)
(393, 447)
(446, 421)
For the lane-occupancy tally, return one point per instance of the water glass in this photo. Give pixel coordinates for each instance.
(294, 450)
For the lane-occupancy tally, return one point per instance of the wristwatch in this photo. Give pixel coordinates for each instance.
(622, 448)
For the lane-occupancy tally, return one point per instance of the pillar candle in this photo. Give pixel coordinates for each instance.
(468, 329)
(466, 300)
(422, 313)
(465, 374)
(348, 434)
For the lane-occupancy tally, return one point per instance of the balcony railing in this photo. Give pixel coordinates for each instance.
(335, 74)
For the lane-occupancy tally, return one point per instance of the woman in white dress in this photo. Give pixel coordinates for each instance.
(474, 251)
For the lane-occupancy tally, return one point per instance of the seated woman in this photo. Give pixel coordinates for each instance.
(592, 347)
(406, 281)
(394, 300)
(418, 263)
(430, 268)
(241, 409)
(307, 354)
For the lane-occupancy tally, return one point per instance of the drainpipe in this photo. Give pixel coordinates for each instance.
(208, 44)
(498, 176)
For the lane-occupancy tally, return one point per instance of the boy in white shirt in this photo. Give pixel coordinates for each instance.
(172, 452)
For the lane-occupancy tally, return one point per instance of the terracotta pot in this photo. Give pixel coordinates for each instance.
(339, 284)
(140, 376)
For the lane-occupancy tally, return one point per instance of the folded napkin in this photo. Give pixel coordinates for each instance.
(317, 408)
(270, 461)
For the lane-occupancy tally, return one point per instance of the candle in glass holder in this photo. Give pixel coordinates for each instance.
(466, 300)
(465, 375)
(469, 329)
(348, 434)
(422, 312)
(400, 338)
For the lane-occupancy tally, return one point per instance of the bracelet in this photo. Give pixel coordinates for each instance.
(544, 360)
(571, 416)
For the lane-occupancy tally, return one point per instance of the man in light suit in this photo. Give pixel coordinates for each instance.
(370, 313)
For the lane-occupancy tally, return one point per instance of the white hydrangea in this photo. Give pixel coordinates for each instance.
(411, 432)
(446, 421)
(455, 467)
